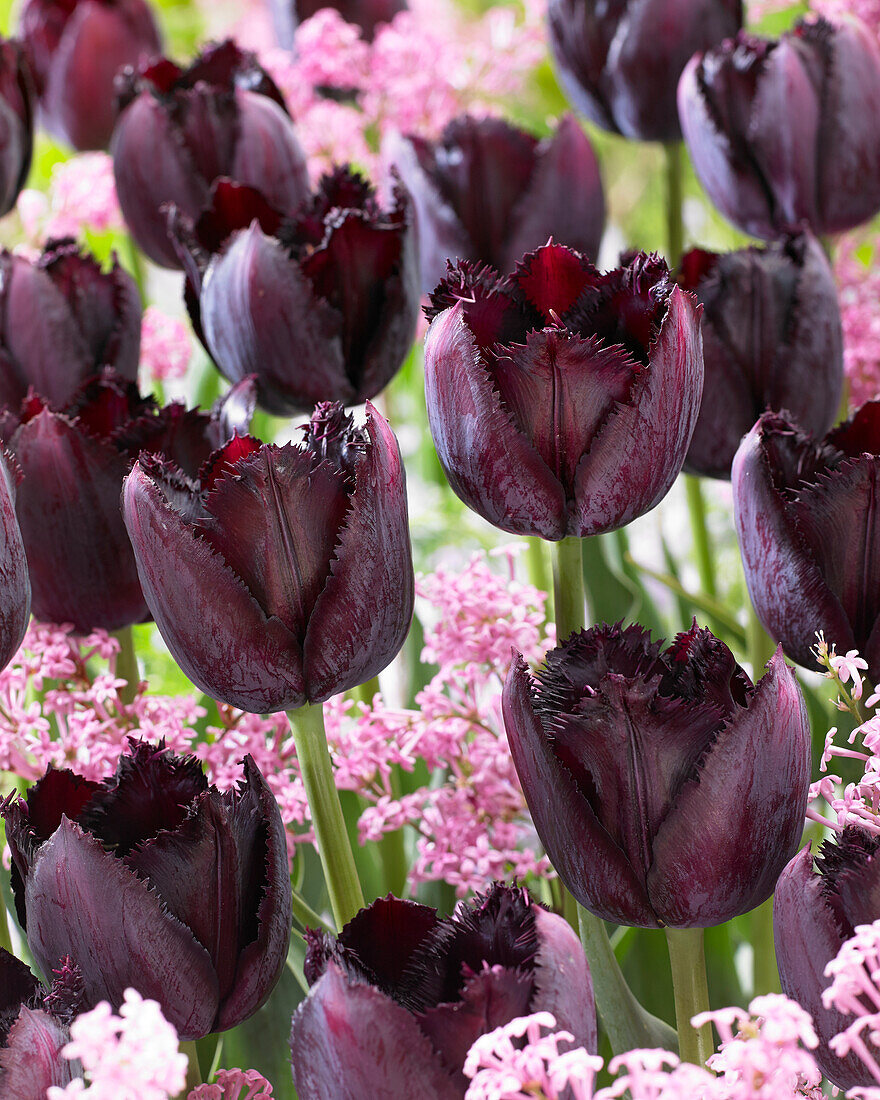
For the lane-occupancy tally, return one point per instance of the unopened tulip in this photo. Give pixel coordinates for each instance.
(815, 910)
(73, 460)
(62, 320)
(16, 122)
(771, 340)
(400, 995)
(318, 305)
(76, 48)
(284, 575)
(15, 585)
(180, 129)
(666, 788)
(562, 400)
(155, 881)
(487, 191)
(809, 532)
(787, 131)
(620, 63)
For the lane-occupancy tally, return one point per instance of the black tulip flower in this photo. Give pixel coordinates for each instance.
(181, 129)
(153, 880)
(815, 910)
(369, 15)
(73, 460)
(771, 340)
(318, 305)
(15, 585)
(16, 122)
(619, 62)
(562, 400)
(62, 319)
(284, 574)
(666, 788)
(399, 997)
(809, 532)
(787, 131)
(488, 192)
(76, 48)
(34, 1025)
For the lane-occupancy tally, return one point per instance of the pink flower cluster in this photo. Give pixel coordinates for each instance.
(82, 196)
(166, 347)
(858, 281)
(234, 1084)
(471, 819)
(855, 991)
(428, 65)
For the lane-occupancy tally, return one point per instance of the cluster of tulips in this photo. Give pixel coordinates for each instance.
(668, 787)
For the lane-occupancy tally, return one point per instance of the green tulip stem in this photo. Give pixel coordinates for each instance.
(688, 961)
(674, 152)
(136, 268)
(761, 646)
(194, 1070)
(628, 1025)
(305, 916)
(365, 692)
(765, 973)
(5, 937)
(568, 587)
(539, 573)
(127, 665)
(700, 534)
(334, 848)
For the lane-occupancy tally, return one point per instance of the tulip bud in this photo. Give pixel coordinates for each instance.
(319, 305)
(562, 400)
(400, 995)
(180, 129)
(153, 880)
(787, 131)
(284, 574)
(76, 48)
(73, 461)
(15, 596)
(771, 340)
(16, 122)
(369, 15)
(488, 192)
(619, 63)
(809, 532)
(62, 319)
(814, 912)
(666, 788)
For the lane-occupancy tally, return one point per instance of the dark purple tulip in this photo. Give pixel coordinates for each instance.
(181, 129)
(76, 48)
(63, 318)
(788, 131)
(74, 459)
(666, 788)
(369, 15)
(16, 122)
(399, 997)
(156, 881)
(620, 62)
(34, 1028)
(809, 532)
(487, 191)
(285, 574)
(562, 400)
(771, 340)
(318, 305)
(814, 912)
(15, 585)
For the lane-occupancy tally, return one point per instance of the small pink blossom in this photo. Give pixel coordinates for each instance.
(166, 347)
(855, 991)
(234, 1084)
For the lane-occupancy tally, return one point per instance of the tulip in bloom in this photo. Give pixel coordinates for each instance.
(76, 48)
(809, 530)
(666, 788)
(318, 305)
(487, 191)
(787, 131)
(620, 63)
(62, 320)
(771, 340)
(73, 461)
(284, 574)
(815, 910)
(561, 400)
(180, 129)
(15, 585)
(153, 880)
(399, 997)
(16, 122)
